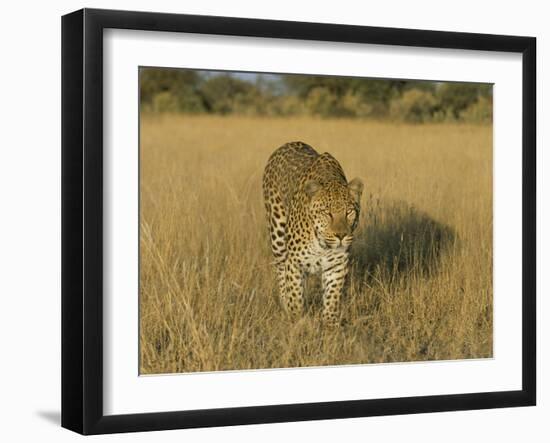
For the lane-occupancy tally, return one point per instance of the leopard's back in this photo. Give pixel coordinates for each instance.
(284, 170)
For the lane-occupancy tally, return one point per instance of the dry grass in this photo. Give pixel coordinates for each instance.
(421, 283)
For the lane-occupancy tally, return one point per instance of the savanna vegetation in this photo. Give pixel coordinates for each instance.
(420, 287)
(205, 92)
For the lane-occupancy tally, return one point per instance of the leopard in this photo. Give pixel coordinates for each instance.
(312, 213)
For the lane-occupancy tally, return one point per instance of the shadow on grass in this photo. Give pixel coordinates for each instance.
(398, 239)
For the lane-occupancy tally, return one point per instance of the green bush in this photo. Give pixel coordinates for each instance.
(479, 112)
(320, 101)
(164, 102)
(184, 101)
(353, 104)
(153, 81)
(456, 97)
(286, 105)
(414, 106)
(188, 91)
(224, 94)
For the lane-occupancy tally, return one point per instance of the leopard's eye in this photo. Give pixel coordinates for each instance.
(351, 215)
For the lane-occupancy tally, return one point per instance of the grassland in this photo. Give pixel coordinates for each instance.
(421, 281)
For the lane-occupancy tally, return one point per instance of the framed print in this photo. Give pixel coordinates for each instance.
(269, 221)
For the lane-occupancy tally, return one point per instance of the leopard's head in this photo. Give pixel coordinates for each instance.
(334, 211)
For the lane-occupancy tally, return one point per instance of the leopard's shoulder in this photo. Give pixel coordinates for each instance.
(286, 168)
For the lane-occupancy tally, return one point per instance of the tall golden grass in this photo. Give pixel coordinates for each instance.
(421, 281)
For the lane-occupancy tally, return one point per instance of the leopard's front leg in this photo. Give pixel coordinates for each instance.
(281, 280)
(294, 289)
(334, 276)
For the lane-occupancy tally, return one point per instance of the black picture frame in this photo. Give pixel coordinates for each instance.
(82, 219)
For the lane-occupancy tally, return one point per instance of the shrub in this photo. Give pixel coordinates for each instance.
(353, 104)
(185, 101)
(287, 105)
(414, 106)
(164, 102)
(456, 97)
(320, 101)
(479, 112)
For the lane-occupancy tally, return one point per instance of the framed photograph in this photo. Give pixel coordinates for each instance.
(268, 221)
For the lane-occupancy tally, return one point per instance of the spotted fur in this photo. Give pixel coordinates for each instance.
(312, 212)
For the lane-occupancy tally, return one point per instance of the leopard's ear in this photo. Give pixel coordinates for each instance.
(356, 189)
(312, 187)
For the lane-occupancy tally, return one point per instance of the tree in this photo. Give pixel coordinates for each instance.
(224, 94)
(155, 80)
(456, 97)
(373, 94)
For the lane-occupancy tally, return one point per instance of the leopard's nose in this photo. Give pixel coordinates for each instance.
(340, 235)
